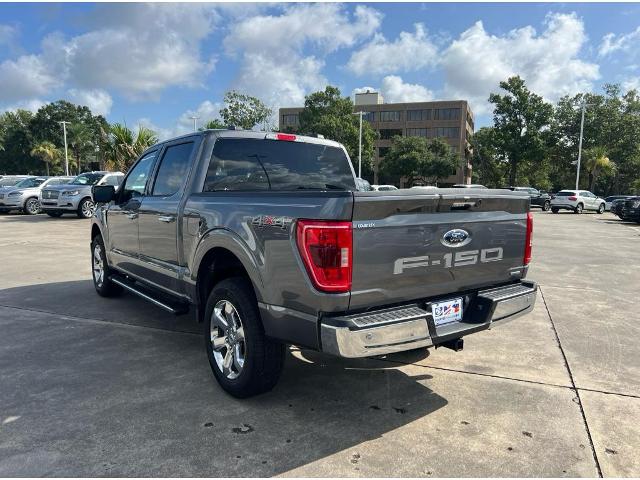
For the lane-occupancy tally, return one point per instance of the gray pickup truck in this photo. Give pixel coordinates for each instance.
(267, 236)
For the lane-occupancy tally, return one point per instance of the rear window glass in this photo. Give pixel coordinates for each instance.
(255, 164)
(565, 194)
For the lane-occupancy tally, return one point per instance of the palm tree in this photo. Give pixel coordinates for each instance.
(596, 161)
(122, 146)
(47, 152)
(81, 142)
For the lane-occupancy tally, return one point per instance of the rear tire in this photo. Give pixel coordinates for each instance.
(101, 271)
(54, 214)
(86, 208)
(578, 209)
(244, 361)
(31, 206)
(546, 206)
(601, 208)
(555, 210)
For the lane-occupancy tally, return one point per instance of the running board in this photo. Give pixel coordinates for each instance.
(172, 307)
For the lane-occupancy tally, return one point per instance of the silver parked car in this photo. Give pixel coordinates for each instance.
(383, 188)
(24, 195)
(577, 201)
(75, 197)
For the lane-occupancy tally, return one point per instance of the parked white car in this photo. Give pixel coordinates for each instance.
(24, 195)
(383, 188)
(577, 201)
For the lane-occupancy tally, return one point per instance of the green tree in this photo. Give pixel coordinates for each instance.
(81, 142)
(214, 124)
(122, 146)
(520, 119)
(48, 153)
(596, 161)
(15, 158)
(417, 159)
(245, 111)
(489, 168)
(331, 115)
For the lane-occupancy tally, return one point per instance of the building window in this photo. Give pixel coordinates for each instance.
(389, 133)
(289, 120)
(447, 114)
(454, 149)
(369, 116)
(389, 116)
(418, 115)
(446, 132)
(382, 151)
(416, 132)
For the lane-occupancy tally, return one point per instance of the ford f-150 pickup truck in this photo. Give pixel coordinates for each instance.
(267, 236)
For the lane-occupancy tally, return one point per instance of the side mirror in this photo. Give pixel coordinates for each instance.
(103, 193)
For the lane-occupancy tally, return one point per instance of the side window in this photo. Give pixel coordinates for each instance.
(173, 170)
(114, 180)
(137, 179)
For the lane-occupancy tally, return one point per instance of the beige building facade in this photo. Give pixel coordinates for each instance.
(450, 120)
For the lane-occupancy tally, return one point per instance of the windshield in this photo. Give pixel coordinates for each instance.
(255, 164)
(9, 182)
(87, 179)
(30, 182)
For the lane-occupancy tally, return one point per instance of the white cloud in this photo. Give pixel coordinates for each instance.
(476, 62)
(409, 52)
(632, 83)
(26, 77)
(31, 104)
(98, 101)
(612, 43)
(7, 34)
(206, 111)
(273, 65)
(395, 90)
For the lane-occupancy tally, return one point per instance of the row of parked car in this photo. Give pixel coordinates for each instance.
(54, 196)
(627, 208)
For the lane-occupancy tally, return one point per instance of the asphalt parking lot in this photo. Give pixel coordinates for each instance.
(116, 387)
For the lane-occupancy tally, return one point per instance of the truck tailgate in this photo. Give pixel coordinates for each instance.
(409, 246)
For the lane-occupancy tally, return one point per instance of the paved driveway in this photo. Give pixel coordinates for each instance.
(97, 387)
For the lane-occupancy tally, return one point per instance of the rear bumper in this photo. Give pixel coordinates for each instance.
(409, 327)
(563, 206)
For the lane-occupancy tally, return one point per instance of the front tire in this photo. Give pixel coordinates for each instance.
(578, 209)
(31, 206)
(86, 208)
(244, 361)
(101, 271)
(546, 206)
(601, 208)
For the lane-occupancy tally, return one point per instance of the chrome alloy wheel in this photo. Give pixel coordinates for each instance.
(227, 339)
(87, 208)
(98, 266)
(33, 206)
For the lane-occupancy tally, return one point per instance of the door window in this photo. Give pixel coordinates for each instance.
(137, 180)
(172, 173)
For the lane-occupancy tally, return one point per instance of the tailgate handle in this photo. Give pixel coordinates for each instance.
(465, 205)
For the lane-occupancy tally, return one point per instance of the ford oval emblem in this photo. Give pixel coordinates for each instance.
(456, 238)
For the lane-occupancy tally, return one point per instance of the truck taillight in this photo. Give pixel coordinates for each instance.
(573, 199)
(326, 249)
(528, 239)
(286, 137)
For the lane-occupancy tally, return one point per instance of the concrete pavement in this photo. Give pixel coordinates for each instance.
(116, 387)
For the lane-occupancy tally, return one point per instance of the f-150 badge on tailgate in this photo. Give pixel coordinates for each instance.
(448, 260)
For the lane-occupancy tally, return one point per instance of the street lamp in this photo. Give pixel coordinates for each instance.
(360, 114)
(583, 107)
(66, 155)
(195, 123)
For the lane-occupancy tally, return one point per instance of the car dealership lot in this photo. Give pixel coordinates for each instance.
(92, 386)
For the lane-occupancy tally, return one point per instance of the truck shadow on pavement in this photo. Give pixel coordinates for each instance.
(92, 398)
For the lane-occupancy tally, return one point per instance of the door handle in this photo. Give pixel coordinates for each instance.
(167, 219)
(132, 216)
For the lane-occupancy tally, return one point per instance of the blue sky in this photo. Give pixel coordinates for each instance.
(159, 64)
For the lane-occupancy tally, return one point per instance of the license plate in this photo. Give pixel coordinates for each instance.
(447, 312)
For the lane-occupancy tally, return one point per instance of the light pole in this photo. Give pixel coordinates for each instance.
(195, 123)
(360, 114)
(66, 155)
(583, 107)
